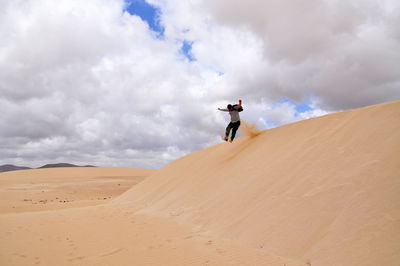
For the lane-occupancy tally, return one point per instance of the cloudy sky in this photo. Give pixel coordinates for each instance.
(137, 83)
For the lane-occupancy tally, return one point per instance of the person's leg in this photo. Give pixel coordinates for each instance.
(227, 131)
(235, 127)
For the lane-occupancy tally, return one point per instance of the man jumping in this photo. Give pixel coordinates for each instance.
(235, 119)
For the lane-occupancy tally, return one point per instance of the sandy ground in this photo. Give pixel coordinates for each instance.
(325, 191)
(60, 216)
(58, 188)
(107, 235)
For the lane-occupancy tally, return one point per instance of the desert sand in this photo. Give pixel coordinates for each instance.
(324, 191)
(59, 188)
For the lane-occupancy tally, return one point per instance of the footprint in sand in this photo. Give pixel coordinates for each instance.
(77, 258)
(112, 252)
(220, 251)
(209, 242)
(71, 244)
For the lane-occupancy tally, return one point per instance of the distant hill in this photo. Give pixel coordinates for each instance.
(55, 165)
(10, 167)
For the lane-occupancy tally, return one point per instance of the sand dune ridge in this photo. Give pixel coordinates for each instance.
(325, 189)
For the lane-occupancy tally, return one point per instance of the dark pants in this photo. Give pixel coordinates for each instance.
(234, 126)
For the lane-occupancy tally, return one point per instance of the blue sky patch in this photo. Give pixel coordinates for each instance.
(186, 50)
(303, 107)
(299, 107)
(147, 13)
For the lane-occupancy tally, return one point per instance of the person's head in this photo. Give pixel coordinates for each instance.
(230, 107)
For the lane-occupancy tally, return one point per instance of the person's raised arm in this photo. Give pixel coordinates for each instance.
(238, 106)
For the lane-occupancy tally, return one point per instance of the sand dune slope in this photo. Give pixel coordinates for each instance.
(325, 191)
(43, 222)
(107, 235)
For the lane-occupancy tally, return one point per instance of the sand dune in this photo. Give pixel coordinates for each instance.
(44, 221)
(106, 235)
(324, 191)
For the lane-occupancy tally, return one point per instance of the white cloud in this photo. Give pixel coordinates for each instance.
(84, 82)
(327, 48)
